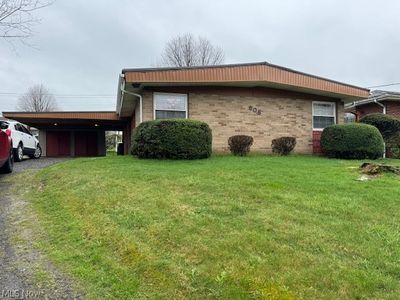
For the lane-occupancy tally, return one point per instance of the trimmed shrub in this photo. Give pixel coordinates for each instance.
(352, 141)
(240, 144)
(172, 139)
(386, 124)
(393, 146)
(283, 145)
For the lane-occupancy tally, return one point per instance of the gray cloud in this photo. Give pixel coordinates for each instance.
(83, 45)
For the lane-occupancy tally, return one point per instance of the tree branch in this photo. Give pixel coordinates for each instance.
(186, 51)
(16, 19)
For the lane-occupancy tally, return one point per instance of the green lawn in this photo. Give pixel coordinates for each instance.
(260, 227)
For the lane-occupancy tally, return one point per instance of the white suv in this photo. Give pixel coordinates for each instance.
(24, 142)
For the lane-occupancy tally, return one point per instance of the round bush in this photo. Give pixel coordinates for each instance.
(386, 124)
(240, 144)
(352, 141)
(283, 145)
(172, 139)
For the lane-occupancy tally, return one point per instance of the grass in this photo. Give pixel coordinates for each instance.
(258, 227)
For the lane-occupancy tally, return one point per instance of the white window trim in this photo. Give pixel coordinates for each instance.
(155, 108)
(323, 102)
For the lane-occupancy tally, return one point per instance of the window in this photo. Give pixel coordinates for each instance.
(3, 125)
(324, 114)
(25, 130)
(18, 127)
(170, 106)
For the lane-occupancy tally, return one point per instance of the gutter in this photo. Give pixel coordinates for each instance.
(122, 92)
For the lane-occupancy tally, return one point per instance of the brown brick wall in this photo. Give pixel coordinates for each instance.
(393, 108)
(367, 109)
(226, 111)
(227, 115)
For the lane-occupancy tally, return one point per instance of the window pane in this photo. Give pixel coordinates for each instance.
(25, 130)
(322, 109)
(322, 122)
(170, 102)
(165, 114)
(19, 127)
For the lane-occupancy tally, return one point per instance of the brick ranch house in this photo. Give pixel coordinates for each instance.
(384, 102)
(259, 99)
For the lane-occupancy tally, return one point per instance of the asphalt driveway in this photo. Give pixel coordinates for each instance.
(29, 164)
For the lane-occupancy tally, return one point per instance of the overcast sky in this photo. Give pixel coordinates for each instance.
(83, 45)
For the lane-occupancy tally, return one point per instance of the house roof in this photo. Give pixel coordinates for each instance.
(376, 95)
(385, 94)
(250, 74)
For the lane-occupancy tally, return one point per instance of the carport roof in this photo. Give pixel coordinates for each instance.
(81, 115)
(101, 119)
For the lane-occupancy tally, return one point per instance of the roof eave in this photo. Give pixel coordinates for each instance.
(373, 99)
(344, 97)
(264, 63)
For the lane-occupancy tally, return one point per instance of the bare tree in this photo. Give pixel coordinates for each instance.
(37, 99)
(17, 19)
(187, 51)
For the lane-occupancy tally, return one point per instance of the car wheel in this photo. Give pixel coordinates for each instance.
(37, 154)
(9, 165)
(19, 153)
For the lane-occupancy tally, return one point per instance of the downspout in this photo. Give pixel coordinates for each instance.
(140, 102)
(381, 105)
(384, 112)
(123, 91)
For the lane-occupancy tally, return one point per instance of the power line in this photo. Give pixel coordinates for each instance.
(383, 85)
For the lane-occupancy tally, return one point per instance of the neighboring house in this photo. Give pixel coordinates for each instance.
(385, 102)
(258, 99)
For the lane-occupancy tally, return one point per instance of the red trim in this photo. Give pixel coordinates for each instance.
(317, 142)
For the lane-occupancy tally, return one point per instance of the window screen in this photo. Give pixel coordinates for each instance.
(323, 115)
(170, 106)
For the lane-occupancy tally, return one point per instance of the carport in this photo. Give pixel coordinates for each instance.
(73, 133)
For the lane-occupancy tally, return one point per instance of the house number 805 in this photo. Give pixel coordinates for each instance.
(255, 110)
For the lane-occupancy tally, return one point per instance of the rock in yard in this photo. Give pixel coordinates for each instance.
(365, 177)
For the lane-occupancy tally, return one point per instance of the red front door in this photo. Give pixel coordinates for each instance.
(86, 143)
(58, 143)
